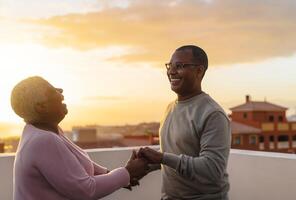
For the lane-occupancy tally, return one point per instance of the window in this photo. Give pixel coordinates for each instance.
(237, 140)
(245, 115)
(283, 138)
(271, 118)
(261, 142)
(252, 139)
(294, 141)
(280, 118)
(283, 142)
(271, 138)
(261, 139)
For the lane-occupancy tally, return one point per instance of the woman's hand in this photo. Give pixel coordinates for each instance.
(137, 168)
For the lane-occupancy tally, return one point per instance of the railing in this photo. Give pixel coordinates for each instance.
(283, 145)
(253, 175)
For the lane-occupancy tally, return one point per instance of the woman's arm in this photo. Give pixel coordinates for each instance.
(98, 169)
(64, 173)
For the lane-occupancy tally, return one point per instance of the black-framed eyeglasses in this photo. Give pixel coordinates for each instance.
(179, 65)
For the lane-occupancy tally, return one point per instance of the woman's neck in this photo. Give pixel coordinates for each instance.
(47, 126)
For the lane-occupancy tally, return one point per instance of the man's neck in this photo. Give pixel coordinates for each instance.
(188, 96)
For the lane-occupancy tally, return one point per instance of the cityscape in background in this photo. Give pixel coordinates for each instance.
(255, 125)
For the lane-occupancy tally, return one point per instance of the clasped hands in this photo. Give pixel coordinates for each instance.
(142, 162)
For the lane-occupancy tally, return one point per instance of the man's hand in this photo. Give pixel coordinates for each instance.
(137, 168)
(152, 156)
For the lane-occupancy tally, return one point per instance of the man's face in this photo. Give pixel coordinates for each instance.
(184, 81)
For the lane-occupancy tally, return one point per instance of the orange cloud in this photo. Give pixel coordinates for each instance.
(230, 31)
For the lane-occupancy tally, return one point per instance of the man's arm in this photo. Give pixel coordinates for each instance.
(212, 161)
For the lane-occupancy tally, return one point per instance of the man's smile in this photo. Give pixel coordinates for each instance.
(175, 81)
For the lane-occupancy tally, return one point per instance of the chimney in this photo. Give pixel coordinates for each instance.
(248, 98)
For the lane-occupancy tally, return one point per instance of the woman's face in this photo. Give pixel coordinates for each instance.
(54, 108)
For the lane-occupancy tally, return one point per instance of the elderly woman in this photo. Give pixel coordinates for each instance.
(48, 166)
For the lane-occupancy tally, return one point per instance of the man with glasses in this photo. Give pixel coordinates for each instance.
(194, 134)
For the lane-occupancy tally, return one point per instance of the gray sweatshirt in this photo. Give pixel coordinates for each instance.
(195, 138)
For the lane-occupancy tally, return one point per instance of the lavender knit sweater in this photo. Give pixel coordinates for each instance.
(48, 166)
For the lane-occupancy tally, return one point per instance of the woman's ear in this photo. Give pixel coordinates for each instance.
(40, 108)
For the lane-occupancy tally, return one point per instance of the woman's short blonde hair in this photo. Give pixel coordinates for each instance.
(26, 94)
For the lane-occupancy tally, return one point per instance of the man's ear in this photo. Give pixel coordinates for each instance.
(40, 108)
(200, 71)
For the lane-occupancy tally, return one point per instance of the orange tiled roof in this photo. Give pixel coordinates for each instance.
(258, 106)
(238, 128)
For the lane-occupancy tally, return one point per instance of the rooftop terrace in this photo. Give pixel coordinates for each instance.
(253, 175)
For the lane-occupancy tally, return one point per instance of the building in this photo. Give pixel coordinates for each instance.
(261, 125)
(88, 138)
(9, 144)
(84, 134)
(1, 147)
(94, 136)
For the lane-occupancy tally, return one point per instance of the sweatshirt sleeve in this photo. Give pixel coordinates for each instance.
(214, 151)
(64, 173)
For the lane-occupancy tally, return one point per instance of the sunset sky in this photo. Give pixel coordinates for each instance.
(109, 55)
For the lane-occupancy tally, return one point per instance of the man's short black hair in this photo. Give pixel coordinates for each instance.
(199, 55)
